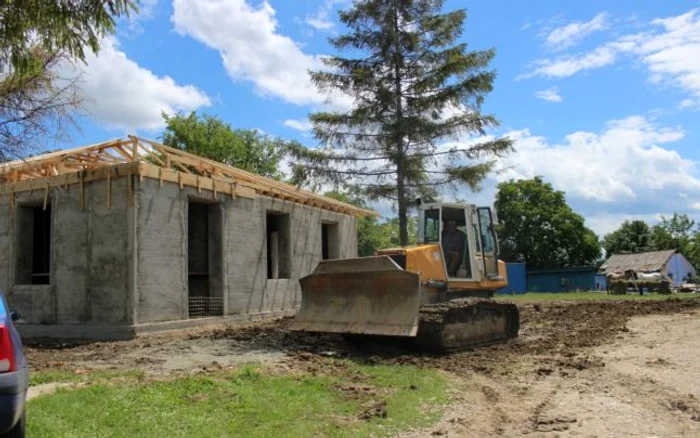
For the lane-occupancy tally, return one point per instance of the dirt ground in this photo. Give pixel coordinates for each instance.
(580, 368)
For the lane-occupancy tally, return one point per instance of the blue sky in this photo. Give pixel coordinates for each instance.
(602, 98)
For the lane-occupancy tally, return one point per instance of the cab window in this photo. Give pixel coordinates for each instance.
(432, 225)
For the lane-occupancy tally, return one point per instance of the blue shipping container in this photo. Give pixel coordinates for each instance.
(563, 280)
(517, 279)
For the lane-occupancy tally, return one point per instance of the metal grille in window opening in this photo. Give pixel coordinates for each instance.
(201, 307)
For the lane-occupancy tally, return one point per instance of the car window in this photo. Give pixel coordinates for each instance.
(3, 307)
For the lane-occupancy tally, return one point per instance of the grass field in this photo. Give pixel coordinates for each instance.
(357, 401)
(538, 296)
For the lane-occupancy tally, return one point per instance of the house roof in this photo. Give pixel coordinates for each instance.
(643, 261)
(147, 158)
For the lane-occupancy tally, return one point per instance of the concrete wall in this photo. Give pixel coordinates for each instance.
(90, 263)
(122, 265)
(161, 251)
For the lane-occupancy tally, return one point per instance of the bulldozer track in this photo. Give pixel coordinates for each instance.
(435, 321)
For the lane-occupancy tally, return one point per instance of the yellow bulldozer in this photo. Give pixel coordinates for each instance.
(437, 292)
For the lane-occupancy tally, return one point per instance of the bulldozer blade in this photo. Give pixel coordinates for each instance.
(368, 295)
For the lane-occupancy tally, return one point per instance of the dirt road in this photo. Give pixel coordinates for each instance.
(612, 368)
(645, 383)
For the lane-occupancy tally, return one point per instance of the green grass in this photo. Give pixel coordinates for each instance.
(248, 402)
(538, 296)
(61, 375)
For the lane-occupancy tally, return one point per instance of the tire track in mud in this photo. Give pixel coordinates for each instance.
(498, 417)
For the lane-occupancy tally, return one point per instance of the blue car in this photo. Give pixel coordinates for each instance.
(14, 375)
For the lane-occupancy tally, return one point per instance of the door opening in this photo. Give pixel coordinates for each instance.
(330, 248)
(455, 243)
(204, 255)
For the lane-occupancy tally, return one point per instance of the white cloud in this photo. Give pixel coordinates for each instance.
(300, 125)
(252, 49)
(319, 22)
(570, 65)
(671, 53)
(121, 94)
(567, 36)
(146, 8)
(550, 95)
(690, 104)
(321, 19)
(605, 223)
(623, 164)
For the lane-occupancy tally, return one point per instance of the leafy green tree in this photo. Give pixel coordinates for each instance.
(210, 137)
(537, 226)
(661, 239)
(413, 83)
(392, 231)
(373, 234)
(680, 230)
(36, 39)
(632, 237)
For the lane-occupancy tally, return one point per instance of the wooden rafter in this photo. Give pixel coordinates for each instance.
(155, 160)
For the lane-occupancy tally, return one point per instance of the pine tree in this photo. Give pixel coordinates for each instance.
(37, 39)
(55, 26)
(414, 85)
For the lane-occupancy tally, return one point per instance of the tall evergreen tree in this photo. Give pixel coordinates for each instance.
(414, 84)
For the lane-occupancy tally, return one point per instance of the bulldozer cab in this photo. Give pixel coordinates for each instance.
(467, 236)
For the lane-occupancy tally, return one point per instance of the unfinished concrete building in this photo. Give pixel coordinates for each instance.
(130, 236)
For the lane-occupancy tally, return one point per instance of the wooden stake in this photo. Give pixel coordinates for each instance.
(46, 196)
(135, 153)
(160, 176)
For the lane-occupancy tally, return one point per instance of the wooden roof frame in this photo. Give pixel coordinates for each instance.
(147, 158)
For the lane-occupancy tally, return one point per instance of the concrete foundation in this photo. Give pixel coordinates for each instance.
(128, 261)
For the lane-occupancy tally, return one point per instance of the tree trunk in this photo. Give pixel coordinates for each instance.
(401, 153)
(403, 207)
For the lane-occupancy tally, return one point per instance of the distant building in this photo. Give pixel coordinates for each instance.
(571, 279)
(671, 264)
